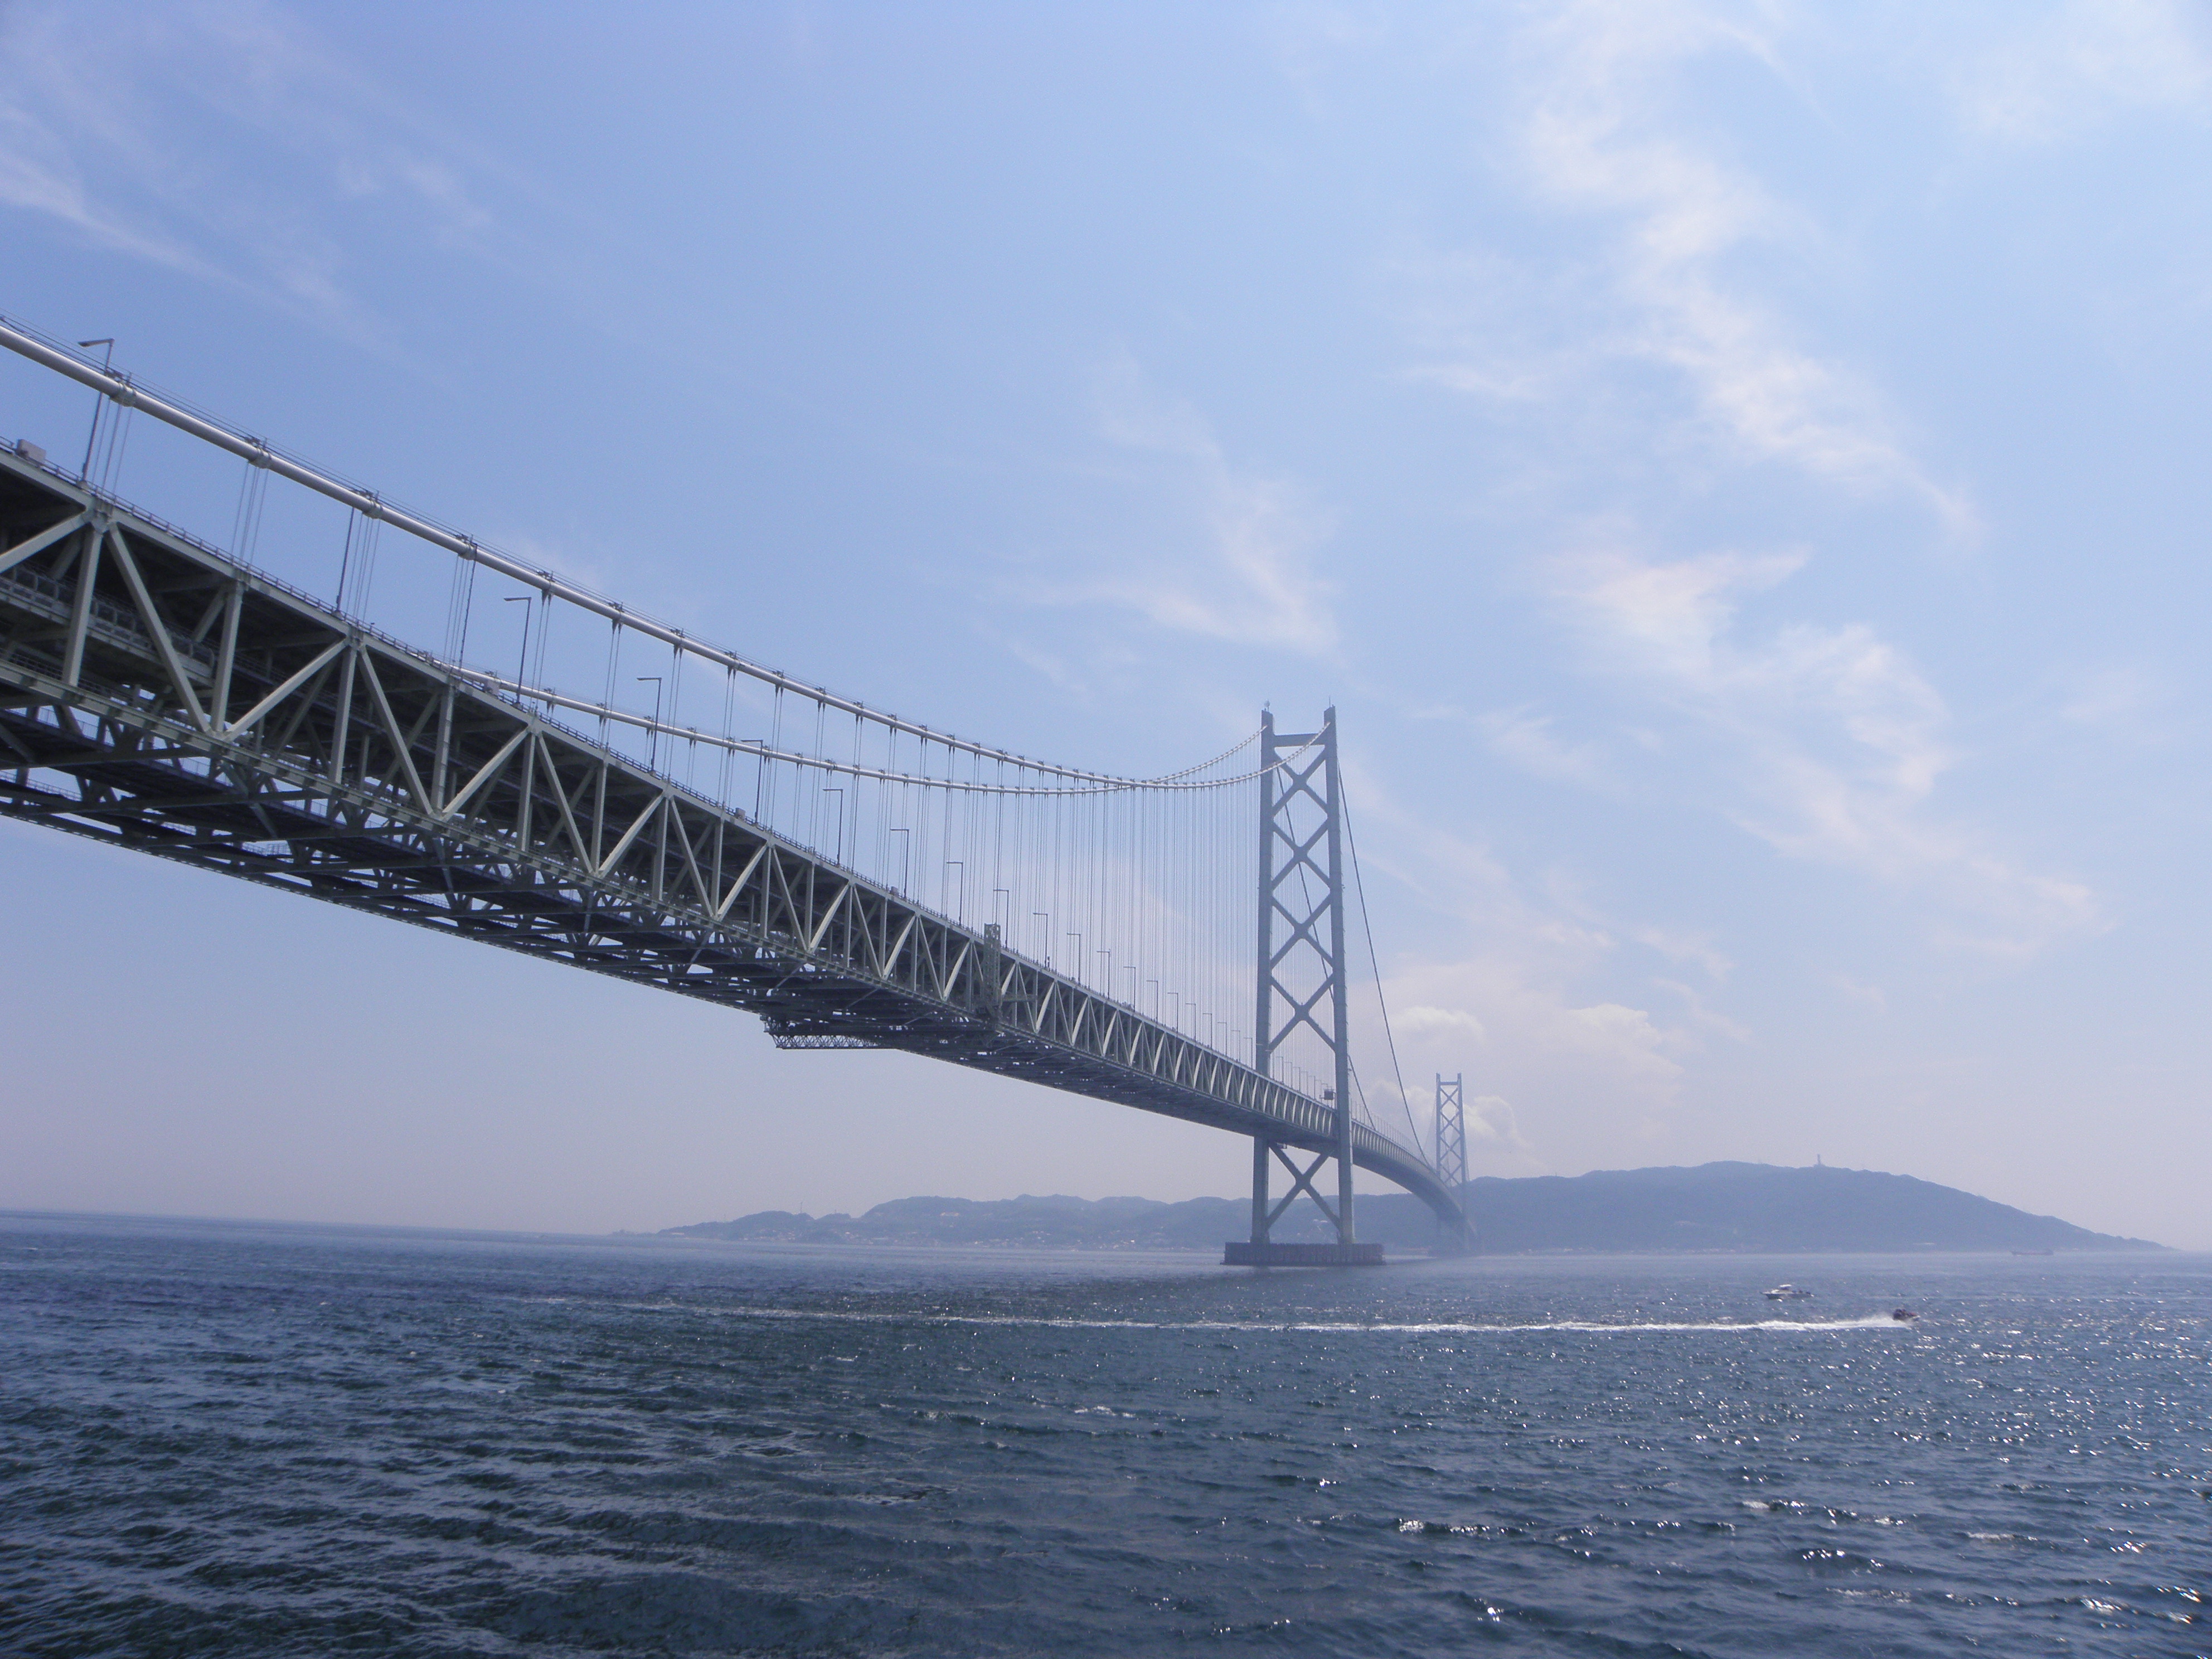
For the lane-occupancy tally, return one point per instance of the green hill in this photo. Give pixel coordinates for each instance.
(1743, 1208)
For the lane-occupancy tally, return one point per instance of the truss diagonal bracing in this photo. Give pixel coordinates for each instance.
(159, 695)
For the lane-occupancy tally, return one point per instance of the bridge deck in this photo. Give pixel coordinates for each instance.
(157, 694)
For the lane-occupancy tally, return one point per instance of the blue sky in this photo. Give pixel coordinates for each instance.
(1736, 469)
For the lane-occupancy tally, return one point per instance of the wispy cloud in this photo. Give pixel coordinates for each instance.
(1492, 1118)
(1530, 741)
(2078, 64)
(1702, 1014)
(1666, 247)
(1599, 135)
(2128, 704)
(1424, 1020)
(1516, 1011)
(1513, 1009)
(134, 127)
(1696, 949)
(39, 175)
(1868, 996)
(1240, 566)
(1829, 744)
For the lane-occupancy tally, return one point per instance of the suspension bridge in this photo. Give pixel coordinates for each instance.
(1179, 944)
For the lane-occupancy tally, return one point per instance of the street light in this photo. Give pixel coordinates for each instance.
(522, 660)
(760, 778)
(99, 403)
(653, 736)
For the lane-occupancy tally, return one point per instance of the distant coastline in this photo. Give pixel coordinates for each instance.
(1727, 1208)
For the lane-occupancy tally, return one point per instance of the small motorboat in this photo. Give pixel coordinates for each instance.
(1789, 1293)
(1904, 1316)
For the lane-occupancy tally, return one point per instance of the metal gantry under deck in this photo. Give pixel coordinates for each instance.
(157, 694)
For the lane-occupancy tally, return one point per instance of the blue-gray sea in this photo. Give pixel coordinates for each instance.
(229, 1439)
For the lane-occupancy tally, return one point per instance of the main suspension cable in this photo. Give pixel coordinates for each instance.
(1102, 785)
(1367, 926)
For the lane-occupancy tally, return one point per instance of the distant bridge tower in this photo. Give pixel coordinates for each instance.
(1451, 1130)
(1301, 979)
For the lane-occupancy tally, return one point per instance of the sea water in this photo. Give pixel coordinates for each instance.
(271, 1441)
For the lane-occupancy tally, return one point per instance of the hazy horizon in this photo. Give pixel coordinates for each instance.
(1736, 468)
(680, 1227)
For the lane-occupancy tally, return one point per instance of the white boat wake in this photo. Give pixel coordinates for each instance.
(1426, 1327)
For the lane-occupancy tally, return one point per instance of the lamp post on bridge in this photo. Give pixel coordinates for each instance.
(98, 403)
(522, 656)
(653, 736)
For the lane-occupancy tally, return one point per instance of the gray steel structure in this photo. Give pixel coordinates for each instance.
(1451, 1130)
(157, 694)
(1300, 966)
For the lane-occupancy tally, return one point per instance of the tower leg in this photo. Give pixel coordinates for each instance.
(1344, 1234)
(1263, 1155)
(1339, 999)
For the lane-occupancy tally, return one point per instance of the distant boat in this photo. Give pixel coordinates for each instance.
(1904, 1314)
(1789, 1293)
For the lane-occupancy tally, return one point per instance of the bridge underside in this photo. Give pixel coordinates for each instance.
(157, 695)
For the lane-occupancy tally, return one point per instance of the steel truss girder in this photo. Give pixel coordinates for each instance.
(262, 734)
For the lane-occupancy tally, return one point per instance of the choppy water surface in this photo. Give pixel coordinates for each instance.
(286, 1441)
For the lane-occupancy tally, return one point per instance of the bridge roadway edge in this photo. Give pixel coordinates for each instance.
(293, 752)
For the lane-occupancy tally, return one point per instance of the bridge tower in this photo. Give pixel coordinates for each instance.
(1451, 1130)
(1455, 1234)
(1300, 980)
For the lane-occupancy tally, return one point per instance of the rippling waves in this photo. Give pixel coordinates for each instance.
(271, 1441)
